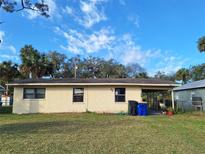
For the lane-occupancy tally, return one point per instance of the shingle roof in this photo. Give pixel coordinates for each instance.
(193, 85)
(87, 81)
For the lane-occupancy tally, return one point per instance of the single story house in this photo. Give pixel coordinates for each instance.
(190, 95)
(81, 95)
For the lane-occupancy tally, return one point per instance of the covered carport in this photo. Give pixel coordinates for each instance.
(158, 97)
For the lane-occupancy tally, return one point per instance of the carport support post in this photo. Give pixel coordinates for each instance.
(172, 99)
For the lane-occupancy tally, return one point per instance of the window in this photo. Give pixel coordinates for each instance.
(29, 93)
(34, 93)
(119, 94)
(78, 94)
(40, 93)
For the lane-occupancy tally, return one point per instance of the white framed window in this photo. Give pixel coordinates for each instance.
(78, 94)
(120, 94)
(34, 93)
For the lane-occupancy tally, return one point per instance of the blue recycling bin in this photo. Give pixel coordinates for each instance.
(142, 109)
(139, 109)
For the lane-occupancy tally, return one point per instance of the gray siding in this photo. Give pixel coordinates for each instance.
(184, 98)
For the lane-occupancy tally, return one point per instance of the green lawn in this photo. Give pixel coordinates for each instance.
(92, 133)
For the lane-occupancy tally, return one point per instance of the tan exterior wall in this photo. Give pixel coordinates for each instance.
(59, 99)
(102, 99)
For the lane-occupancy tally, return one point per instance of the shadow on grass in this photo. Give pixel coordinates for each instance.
(59, 126)
(41, 127)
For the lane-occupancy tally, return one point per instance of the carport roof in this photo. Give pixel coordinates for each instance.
(193, 85)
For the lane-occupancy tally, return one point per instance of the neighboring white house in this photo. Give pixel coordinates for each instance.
(81, 95)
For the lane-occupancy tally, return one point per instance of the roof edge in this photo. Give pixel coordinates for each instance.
(76, 84)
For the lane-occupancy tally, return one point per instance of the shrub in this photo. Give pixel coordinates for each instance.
(6, 109)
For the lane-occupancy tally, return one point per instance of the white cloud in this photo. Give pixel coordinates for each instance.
(2, 34)
(170, 63)
(86, 7)
(31, 14)
(135, 20)
(122, 48)
(90, 12)
(8, 56)
(12, 48)
(7, 52)
(80, 43)
(129, 51)
(68, 10)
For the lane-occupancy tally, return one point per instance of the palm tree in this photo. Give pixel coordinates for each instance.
(183, 75)
(30, 61)
(201, 44)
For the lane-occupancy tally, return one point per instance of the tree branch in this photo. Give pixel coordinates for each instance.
(26, 7)
(38, 6)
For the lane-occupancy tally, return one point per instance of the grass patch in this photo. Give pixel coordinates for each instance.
(93, 133)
